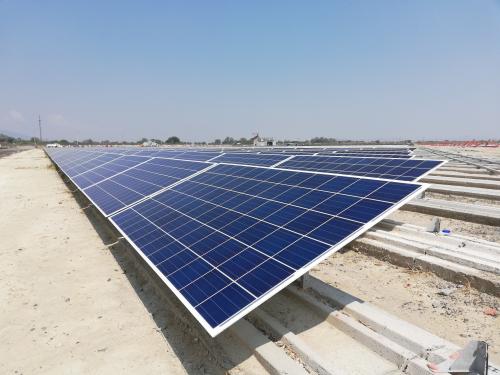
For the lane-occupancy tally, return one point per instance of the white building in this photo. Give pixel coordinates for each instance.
(259, 141)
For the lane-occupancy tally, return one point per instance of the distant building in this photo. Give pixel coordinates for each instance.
(53, 145)
(259, 141)
(150, 144)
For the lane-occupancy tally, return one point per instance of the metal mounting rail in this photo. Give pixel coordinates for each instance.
(477, 162)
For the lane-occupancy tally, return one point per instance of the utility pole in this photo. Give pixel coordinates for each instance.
(40, 128)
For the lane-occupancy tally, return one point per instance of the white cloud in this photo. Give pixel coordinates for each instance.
(15, 116)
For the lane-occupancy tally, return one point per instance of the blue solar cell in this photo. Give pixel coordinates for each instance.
(373, 166)
(169, 250)
(365, 210)
(204, 287)
(224, 304)
(82, 167)
(284, 215)
(362, 188)
(301, 252)
(133, 184)
(276, 242)
(335, 230)
(393, 192)
(191, 271)
(200, 156)
(312, 199)
(336, 204)
(172, 264)
(107, 170)
(226, 250)
(241, 263)
(255, 232)
(307, 222)
(250, 159)
(211, 242)
(265, 276)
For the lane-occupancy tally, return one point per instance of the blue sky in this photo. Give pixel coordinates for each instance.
(208, 69)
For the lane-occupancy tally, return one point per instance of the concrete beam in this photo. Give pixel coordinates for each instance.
(455, 210)
(269, 324)
(465, 191)
(446, 167)
(448, 270)
(269, 355)
(478, 176)
(461, 181)
(425, 345)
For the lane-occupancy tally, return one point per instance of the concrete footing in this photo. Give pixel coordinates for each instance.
(455, 210)
(460, 181)
(465, 191)
(455, 258)
(414, 346)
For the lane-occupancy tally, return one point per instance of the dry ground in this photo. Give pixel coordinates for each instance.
(66, 307)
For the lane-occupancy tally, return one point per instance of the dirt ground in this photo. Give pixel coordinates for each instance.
(415, 296)
(66, 306)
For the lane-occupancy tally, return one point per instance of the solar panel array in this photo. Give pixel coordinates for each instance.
(226, 231)
(379, 167)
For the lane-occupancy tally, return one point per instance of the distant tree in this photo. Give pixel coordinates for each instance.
(243, 141)
(217, 141)
(142, 140)
(63, 142)
(323, 140)
(173, 140)
(157, 141)
(228, 141)
(87, 142)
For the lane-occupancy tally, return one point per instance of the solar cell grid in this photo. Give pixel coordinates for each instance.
(140, 180)
(242, 232)
(106, 170)
(89, 163)
(363, 154)
(73, 158)
(249, 159)
(198, 155)
(388, 168)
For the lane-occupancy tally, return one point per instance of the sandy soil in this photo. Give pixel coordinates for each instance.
(414, 296)
(66, 306)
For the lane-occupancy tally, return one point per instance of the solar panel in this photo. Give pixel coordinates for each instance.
(106, 170)
(230, 237)
(289, 152)
(388, 168)
(70, 159)
(373, 154)
(198, 155)
(132, 184)
(250, 159)
(93, 161)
